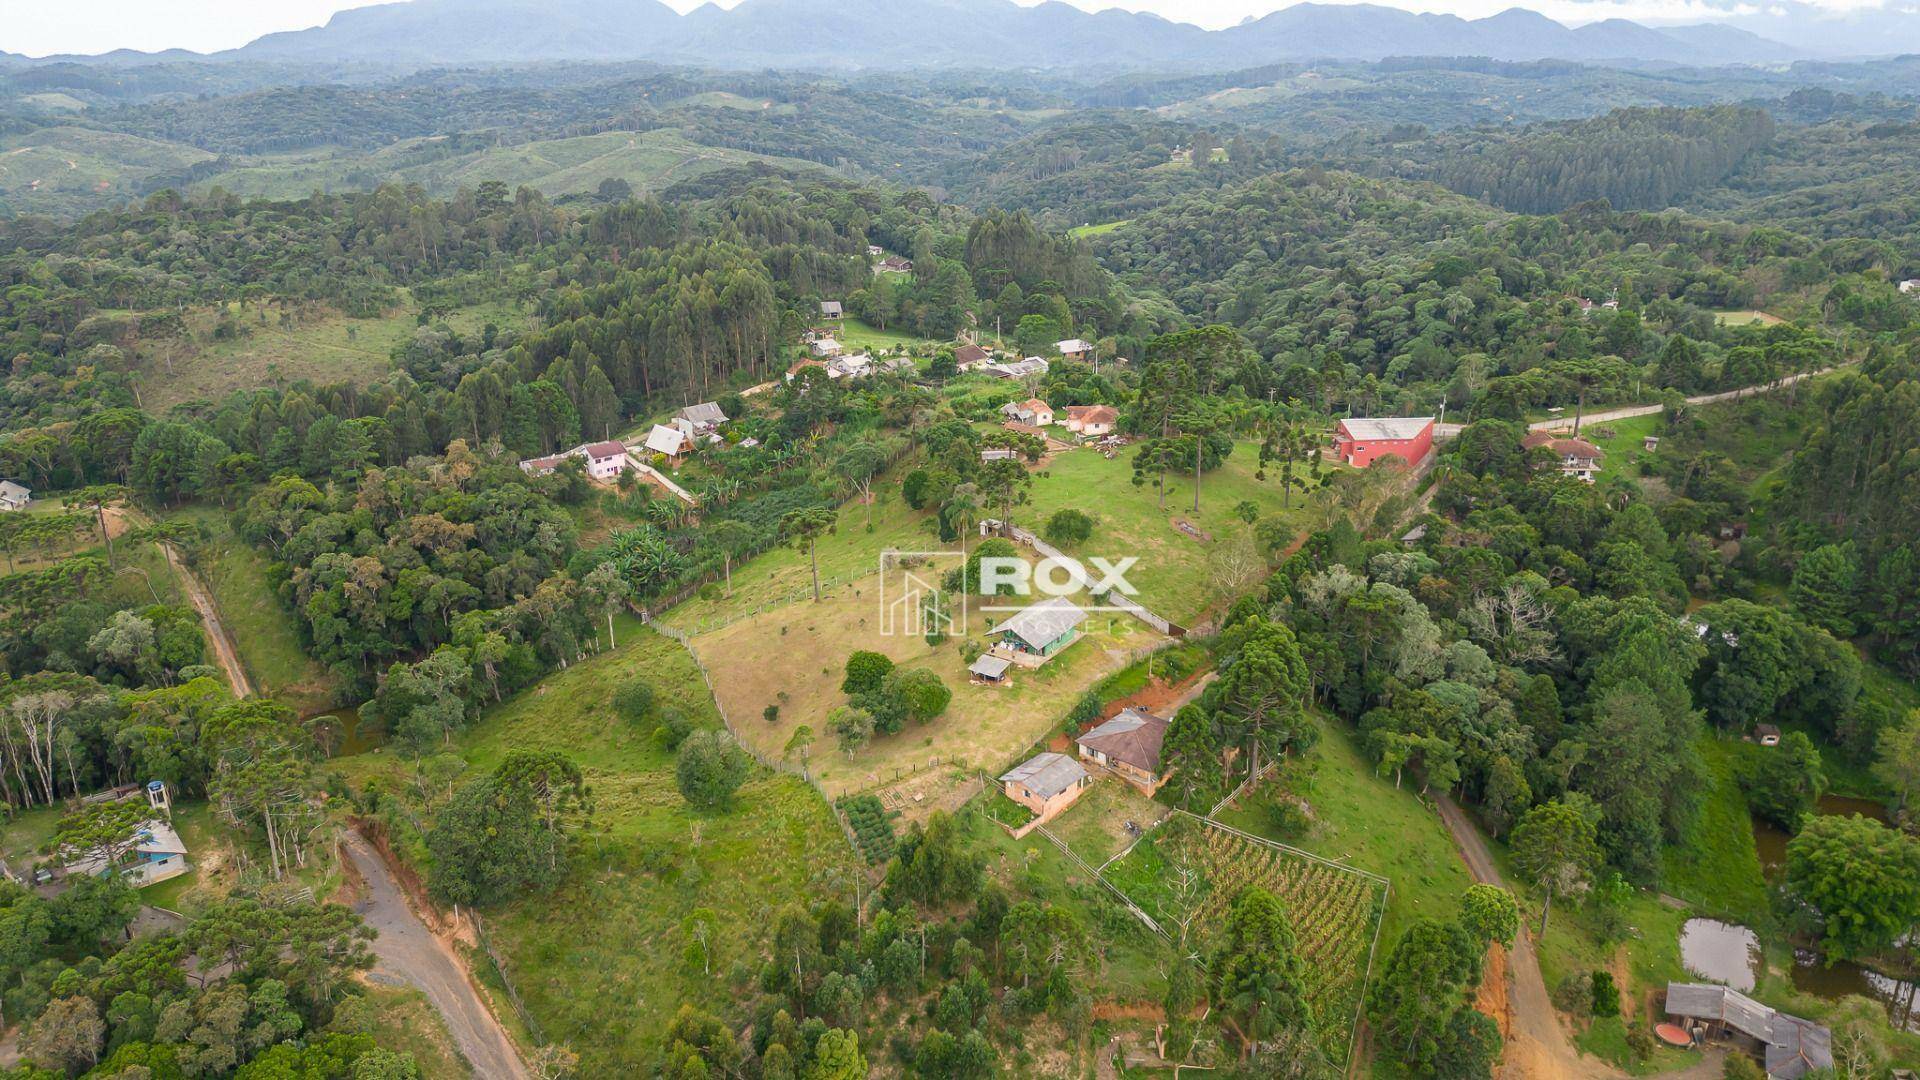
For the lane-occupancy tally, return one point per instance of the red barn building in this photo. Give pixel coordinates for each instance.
(1360, 443)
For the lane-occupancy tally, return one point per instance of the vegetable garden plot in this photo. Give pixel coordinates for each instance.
(1189, 870)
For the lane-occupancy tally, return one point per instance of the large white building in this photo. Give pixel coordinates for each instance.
(604, 460)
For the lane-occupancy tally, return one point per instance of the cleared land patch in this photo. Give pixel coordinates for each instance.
(319, 346)
(1746, 318)
(264, 629)
(794, 657)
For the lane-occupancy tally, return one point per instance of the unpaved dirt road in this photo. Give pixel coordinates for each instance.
(1537, 1048)
(118, 520)
(407, 949)
(224, 652)
(1565, 423)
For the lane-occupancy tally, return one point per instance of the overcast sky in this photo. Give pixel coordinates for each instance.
(39, 27)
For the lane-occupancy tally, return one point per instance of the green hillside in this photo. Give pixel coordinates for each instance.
(62, 170)
(649, 160)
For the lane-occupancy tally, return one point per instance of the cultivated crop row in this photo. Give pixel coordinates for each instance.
(1194, 870)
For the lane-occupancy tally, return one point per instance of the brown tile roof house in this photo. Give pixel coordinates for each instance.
(1092, 419)
(1578, 457)
(967, 357)
(1129, 744)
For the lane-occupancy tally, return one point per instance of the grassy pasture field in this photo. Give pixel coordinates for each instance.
(1095, 825)
(1746, 317)
(599, 960)
(649, 160)
(1097, 230)
(1359, 818)
(63, 170)
(1179, 575)
(794, 657)
(320, 347)
(771, 644)
(858, 335)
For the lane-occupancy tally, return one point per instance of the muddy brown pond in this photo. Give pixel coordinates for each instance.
(1729, 953)
(1771, 840)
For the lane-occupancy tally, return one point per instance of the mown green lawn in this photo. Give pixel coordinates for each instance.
(1179, 575)
(1621, 442)
(858, 335)
(1715, 866)
(599, 960)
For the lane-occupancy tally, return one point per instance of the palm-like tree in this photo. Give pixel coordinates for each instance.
(645, 556)
(962, 508)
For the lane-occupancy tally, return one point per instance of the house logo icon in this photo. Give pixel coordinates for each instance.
(912, 603)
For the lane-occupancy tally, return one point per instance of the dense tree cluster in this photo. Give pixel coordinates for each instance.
(92, 1001)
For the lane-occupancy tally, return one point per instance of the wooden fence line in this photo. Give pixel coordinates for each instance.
(506, 981)
(1144, 918)
(1288, 848)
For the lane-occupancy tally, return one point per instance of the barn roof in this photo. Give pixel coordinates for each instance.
(1720, 1004)
(990, 666)
(707, 412)
(1388, 428)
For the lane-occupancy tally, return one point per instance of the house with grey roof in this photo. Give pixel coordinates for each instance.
(13, 496)
(1787, 1046)
(700, 420)
(1045, 784)
(1036, 633)
(1018, 369)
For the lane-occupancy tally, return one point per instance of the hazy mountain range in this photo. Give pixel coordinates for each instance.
(959, 33)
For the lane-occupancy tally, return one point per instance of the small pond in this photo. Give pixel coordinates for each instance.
(1722, 952)
(1841, 979)
(1771, 840)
